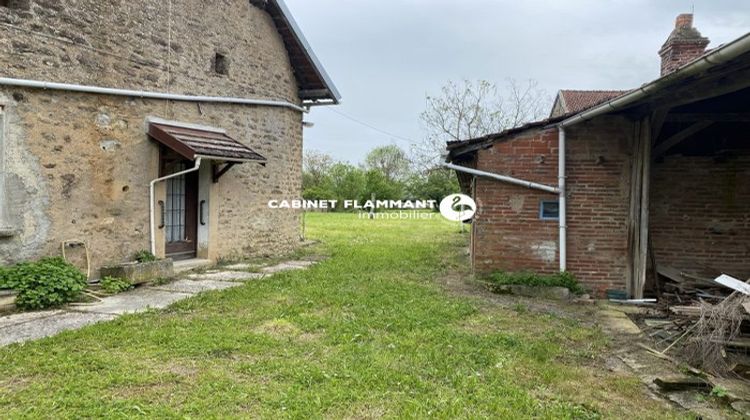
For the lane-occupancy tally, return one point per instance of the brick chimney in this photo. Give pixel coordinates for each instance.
(684, 44)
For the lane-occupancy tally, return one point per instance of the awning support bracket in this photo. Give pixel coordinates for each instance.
(218, 172)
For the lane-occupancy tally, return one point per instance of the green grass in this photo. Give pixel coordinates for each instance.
(367, 333)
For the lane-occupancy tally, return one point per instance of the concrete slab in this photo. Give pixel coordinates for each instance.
(49, 326)
(286, 266)
(619, 323)
(24, 317)
(195, 286)
(34, 325)
(242, 266)
(138, 300)
(226, 276)
(187, 265)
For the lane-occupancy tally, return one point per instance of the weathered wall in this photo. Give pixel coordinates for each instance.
(507, 229)
(509, 234)
(84, 165)
(126, 44)
(699, 214)
(78, 165)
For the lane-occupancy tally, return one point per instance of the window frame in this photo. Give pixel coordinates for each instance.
(542, 205)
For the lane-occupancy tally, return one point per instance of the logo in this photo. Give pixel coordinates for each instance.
(458, 207)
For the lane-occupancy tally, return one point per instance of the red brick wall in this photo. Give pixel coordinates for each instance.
(677, 56)
(508, 232)
(700, 214)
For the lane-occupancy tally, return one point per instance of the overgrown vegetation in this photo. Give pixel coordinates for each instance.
(387, 174)
(144, 256)
(369, 333)
(46, 283)
(528, 278)
(6, 280)
(114, 285)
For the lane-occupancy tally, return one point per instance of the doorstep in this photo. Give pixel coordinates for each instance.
(191, 264)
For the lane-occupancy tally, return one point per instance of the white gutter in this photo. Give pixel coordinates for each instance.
(147, 95)
(151, 199)
(503, 178)
(562, 201)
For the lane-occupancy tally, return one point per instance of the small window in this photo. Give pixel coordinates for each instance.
(16, 4)
(221, 64)
(549, 210)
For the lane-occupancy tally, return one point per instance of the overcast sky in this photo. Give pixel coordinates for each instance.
(385, 56)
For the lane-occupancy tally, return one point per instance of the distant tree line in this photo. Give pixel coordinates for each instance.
(387, 174)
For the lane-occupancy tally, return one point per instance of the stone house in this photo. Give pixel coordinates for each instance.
(103, 102)
(616, 186)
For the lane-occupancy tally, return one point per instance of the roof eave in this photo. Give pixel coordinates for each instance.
(334, 95)
(716, 57)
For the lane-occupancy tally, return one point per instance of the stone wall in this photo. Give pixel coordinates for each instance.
(133, 45)
(79, 165)
(509, 234)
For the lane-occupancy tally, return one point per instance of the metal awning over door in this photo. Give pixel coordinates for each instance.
(194, 141)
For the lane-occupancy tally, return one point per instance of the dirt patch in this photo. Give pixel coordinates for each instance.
(626, 369)
(278, 328)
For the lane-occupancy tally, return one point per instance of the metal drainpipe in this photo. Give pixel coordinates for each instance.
(6, 81)
(151, 199)
(503, 178)
(562, 200)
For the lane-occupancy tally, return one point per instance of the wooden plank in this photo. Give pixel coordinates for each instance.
(633, 213)
(646, 144)
(671, 273)
(658, 117)
(693, 311)
(675, 139)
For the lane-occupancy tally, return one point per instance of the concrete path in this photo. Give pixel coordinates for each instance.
(20, 327)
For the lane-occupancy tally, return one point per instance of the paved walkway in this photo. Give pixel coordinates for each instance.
(27, 326)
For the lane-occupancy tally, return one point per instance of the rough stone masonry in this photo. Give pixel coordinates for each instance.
(78, 165)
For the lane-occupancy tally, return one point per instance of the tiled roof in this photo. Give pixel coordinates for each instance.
(575, 101)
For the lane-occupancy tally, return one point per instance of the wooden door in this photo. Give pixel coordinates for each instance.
(180, 211)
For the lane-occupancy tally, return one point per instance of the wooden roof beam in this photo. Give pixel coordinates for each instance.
(710, 116)
(677, 138)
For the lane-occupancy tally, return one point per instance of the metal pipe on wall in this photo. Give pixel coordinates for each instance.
(504, 178)
(145, 94)
(562, 220)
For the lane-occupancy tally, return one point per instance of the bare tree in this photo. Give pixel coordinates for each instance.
(315, 166)
(390, 160)
(469, 109)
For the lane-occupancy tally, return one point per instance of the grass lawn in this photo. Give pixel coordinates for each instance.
(368, 333)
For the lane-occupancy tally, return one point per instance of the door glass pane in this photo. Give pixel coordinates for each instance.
(175, 211)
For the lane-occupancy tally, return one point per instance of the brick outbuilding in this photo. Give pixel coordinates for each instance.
(651, 179)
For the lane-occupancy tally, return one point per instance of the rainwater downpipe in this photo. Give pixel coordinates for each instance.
(562, 220)
(503, 178)
(151, 199)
